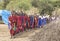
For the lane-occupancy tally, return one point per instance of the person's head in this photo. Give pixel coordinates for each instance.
(13, 13)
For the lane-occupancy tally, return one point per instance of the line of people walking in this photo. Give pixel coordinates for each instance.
(19, 22)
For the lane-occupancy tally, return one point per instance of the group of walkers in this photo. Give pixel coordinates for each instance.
(19, 22)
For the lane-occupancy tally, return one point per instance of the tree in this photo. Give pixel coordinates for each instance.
(3, 4)
(44, 6)
(20, 4)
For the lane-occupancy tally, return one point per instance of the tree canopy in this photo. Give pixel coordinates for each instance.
(20, 4)
(44, 6)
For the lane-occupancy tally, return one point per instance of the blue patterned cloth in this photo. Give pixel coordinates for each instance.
(44, 21)
(39, 22)
(5, 15)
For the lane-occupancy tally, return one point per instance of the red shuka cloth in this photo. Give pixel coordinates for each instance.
(19, 23)
(12, 20)
(36, 21)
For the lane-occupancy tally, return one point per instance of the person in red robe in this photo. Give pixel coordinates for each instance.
(19, 23)
(24, 22)
(28, 22)
(12, 20)
(11, 30)
(35, 21)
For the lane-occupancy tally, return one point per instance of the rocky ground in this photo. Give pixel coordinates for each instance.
(50, 32)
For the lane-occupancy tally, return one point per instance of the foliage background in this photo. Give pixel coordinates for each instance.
(43, 6)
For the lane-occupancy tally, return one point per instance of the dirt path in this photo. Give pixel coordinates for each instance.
(50, 32)
(5, 36)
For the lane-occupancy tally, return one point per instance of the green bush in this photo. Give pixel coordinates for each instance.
(20, 4)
